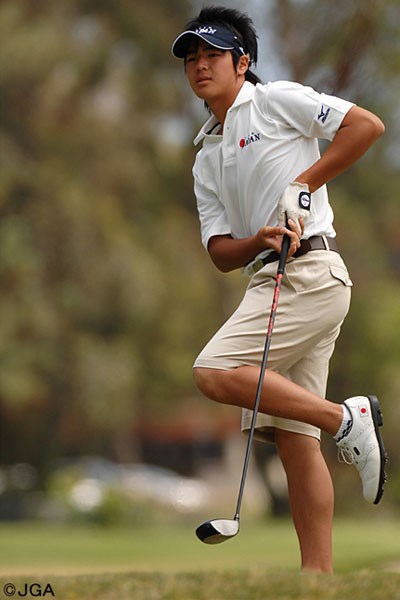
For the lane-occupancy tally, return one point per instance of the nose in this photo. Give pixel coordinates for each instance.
(201, 63)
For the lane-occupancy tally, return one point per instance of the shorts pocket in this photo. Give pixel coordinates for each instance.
(341, 274)
(316, 271)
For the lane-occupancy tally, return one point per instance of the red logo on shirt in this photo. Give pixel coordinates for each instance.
(249, 139)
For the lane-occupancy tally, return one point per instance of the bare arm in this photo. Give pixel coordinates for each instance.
(228, 253)
(358, 131)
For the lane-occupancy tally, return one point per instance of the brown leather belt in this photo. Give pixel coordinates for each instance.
(317, 242)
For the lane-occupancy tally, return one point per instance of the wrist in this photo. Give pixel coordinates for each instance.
(260, 242)
(306, 181)
(303, 185)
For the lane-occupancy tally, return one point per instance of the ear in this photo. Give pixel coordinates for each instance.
(243, 64)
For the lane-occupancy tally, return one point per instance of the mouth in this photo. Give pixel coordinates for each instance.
(201, 80)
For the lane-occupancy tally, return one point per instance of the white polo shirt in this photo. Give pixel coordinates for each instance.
(270, 136)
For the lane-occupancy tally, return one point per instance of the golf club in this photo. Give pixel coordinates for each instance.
(216, 531)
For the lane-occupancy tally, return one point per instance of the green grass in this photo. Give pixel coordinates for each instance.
(250, 584)
(170, 563)
(37, 548)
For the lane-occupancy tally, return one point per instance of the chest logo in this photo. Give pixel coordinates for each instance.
(249, 139)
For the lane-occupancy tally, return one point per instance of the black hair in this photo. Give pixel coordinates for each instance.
(240, 24)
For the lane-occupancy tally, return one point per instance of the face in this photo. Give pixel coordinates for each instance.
(211, 72)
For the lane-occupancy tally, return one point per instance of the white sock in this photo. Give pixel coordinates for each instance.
(345, 427)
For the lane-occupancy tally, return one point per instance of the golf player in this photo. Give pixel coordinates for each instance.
(257, 176)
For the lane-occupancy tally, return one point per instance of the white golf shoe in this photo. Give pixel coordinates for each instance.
(363, 447)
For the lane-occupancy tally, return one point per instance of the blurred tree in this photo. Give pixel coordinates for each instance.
(97, 265)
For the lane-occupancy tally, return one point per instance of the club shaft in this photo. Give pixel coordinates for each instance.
(279, 276)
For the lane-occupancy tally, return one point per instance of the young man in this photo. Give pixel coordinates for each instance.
(258, 176)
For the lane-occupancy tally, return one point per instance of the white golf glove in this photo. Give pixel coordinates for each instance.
(294, 204)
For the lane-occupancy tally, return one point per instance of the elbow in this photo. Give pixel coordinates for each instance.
(368, 125)
(221, 265)
(374, 126)
(379, 127)
(219, 250)
(222, 262)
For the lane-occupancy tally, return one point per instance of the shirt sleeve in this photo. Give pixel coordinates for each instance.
(300, 107)
(212, 215)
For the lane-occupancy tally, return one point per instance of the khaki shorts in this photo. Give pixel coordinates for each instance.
(313, 302)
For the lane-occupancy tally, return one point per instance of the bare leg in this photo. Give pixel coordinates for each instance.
(311, 497)
(280, 397)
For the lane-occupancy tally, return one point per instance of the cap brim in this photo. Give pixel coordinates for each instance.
(181, 44)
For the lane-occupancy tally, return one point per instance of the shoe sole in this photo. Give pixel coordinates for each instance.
(378, 422)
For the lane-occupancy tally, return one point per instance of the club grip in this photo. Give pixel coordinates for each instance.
(283, 254)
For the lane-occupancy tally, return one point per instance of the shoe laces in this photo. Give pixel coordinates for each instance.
(347, 455)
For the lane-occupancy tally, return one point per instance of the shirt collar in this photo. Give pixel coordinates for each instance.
(245, 94)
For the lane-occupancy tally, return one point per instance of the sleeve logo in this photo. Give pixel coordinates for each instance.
(323, 115)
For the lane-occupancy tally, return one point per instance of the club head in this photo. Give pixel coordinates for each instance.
(217, 531)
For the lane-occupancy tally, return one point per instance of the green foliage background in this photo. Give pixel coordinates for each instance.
(106, 292)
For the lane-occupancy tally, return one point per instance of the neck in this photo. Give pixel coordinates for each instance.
(220, 106)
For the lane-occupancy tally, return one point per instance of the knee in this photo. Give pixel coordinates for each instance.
(295, 449)
(208, 382)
